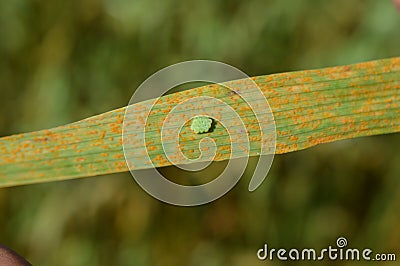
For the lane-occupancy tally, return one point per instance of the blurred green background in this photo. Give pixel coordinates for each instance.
(62, 61)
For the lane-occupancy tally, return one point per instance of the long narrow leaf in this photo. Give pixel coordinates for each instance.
(310, 107)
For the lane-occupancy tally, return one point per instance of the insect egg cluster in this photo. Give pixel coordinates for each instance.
(201, 124)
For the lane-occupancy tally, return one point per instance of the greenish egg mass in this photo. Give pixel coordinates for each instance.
(201, 124)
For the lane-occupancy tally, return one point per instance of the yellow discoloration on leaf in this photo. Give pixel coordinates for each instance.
(310, 107)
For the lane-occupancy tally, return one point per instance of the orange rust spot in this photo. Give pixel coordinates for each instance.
(120, 166)
(41, 139)
(26, 145)
(158, 158)
(152, 148)
(120, 120)
(118, 156)
(116, 129)
(92, 132)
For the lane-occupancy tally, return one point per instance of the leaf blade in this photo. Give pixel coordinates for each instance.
(310, 107)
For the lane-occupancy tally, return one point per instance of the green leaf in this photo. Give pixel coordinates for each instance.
(310, 107)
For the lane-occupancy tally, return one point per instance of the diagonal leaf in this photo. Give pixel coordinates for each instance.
(310, 107)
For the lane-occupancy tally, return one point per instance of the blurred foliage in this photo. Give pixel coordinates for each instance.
(61, 61)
